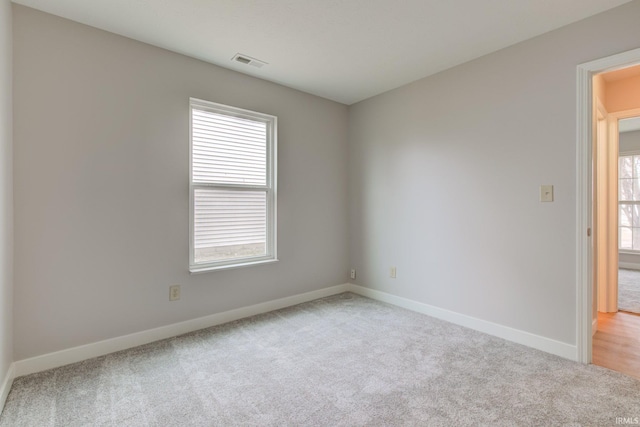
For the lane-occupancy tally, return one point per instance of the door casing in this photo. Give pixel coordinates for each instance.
(584, 189)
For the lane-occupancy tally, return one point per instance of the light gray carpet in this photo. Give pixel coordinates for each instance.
(339, 361)
(629, 290)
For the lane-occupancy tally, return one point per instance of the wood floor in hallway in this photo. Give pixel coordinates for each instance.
(616, 345)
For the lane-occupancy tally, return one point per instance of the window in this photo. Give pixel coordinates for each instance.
(232, 186)
(629, 202)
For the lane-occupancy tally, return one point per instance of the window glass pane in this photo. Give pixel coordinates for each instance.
(624, 167)
(228, 150)
(636, 189)
(636, 238)
(636, 216)
(625, 190)
(636, 166)
(625, 238)
(229, 224)
(626, 218)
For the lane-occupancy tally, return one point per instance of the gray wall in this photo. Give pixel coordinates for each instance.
(101, 187)
(445, 174)
(629, 261)
(443, 178)
(629, 142)
(6, 191)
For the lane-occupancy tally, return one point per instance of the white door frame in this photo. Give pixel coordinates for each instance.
(584, 202)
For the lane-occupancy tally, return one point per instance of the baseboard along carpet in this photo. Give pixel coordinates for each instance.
(343, 360)
(629, 290)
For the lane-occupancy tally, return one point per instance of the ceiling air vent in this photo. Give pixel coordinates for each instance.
(247, 60)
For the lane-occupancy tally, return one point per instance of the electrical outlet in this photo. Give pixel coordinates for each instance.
(392, 272)
(353, 273)
(174, 293)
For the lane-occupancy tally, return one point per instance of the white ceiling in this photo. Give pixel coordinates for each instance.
(344, 50)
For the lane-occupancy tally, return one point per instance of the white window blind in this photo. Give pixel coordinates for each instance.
(228, 150)
(232, 186)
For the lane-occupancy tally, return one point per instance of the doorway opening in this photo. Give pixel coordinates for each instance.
(613, 253)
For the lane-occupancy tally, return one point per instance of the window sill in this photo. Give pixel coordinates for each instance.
(628, 252)
(207, 268)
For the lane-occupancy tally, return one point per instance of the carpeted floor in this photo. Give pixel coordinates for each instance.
(339, 361)
(629, 290)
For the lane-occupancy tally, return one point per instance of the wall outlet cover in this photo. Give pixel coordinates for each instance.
(174, 293)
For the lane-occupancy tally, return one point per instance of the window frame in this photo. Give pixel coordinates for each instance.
(631, 154)
(270, 187)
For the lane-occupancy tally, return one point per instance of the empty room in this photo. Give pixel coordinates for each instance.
(318, 213)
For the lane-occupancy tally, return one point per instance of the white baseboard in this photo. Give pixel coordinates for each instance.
(100, 348)
(6, 385)
(548, 345)
(629, 265)
(594, 326)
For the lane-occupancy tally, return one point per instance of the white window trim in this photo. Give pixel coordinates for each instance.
(270, 188)
(628, 251)
(628, 153)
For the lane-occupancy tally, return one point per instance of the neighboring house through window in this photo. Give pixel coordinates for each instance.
(232, 187)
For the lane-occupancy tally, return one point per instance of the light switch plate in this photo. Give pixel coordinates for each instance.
(546, 193)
